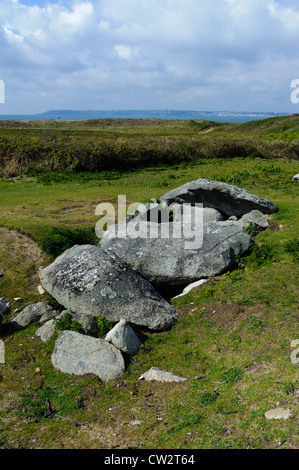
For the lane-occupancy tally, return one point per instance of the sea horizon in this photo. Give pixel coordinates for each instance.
(82, 115)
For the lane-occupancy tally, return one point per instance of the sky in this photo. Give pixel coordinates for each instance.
(234, 55)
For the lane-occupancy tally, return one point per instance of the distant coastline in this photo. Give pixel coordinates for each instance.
(81, 115)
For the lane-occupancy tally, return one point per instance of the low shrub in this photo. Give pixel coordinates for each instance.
(67, 323)
(251, 229)
(58, 239)
(292, 247)
(232, 375)
(208, 398)
(104, 326)
(259, 255)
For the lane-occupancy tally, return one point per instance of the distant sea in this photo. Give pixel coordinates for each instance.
(73, 115)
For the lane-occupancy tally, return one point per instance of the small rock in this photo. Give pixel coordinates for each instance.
(278, 413)
(190, 287)
(233, 217)
(79, 354)
(123, 337)
(1, 273)
(47, 331)
(4, 306)
(256, 217)
(296, 177)
(41, 311)
(161, 376)
(40, 289)
(136, 423)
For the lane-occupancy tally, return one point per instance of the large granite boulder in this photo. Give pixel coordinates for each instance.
(89, 280)
(177, 261)
(79, 354)
(229, 200)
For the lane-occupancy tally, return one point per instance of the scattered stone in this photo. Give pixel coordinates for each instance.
(161, 376)
(40, 311)
(4, 306)
(40, 289)
(1, 273)
(255, 217)
(47, 331)
(123, 337)
(296, 177)
(78, 354)
(233, 217)
(190, 287)
(136, 423)
(228, 199)
(177, 260)
(278, 413)
(88, 280)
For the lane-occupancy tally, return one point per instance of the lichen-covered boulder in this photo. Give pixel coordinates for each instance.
(178, 261)
(89, 280)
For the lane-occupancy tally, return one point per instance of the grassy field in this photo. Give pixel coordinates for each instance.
(233, 338)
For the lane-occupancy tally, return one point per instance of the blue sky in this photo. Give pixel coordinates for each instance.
(237, 55)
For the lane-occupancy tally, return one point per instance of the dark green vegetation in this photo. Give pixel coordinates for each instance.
(40, 147)
(233, 338)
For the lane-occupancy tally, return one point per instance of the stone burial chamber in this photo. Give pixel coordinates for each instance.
(125, 277)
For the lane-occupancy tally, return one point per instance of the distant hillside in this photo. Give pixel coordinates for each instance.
(39, 146)
(275, 128)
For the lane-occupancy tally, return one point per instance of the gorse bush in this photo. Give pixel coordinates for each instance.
(251, 229)
(259, 255)
(67, 323)
(104, 326)
(292, 247)
(58, 239)
(208, 398)
(232, 375)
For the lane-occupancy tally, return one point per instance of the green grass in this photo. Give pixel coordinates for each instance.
(232, 340)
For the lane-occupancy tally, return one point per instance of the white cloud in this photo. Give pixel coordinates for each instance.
(148, 53)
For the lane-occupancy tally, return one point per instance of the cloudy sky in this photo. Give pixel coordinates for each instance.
(236, 55)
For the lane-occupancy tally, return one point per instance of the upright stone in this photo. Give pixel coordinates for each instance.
(123, 337)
